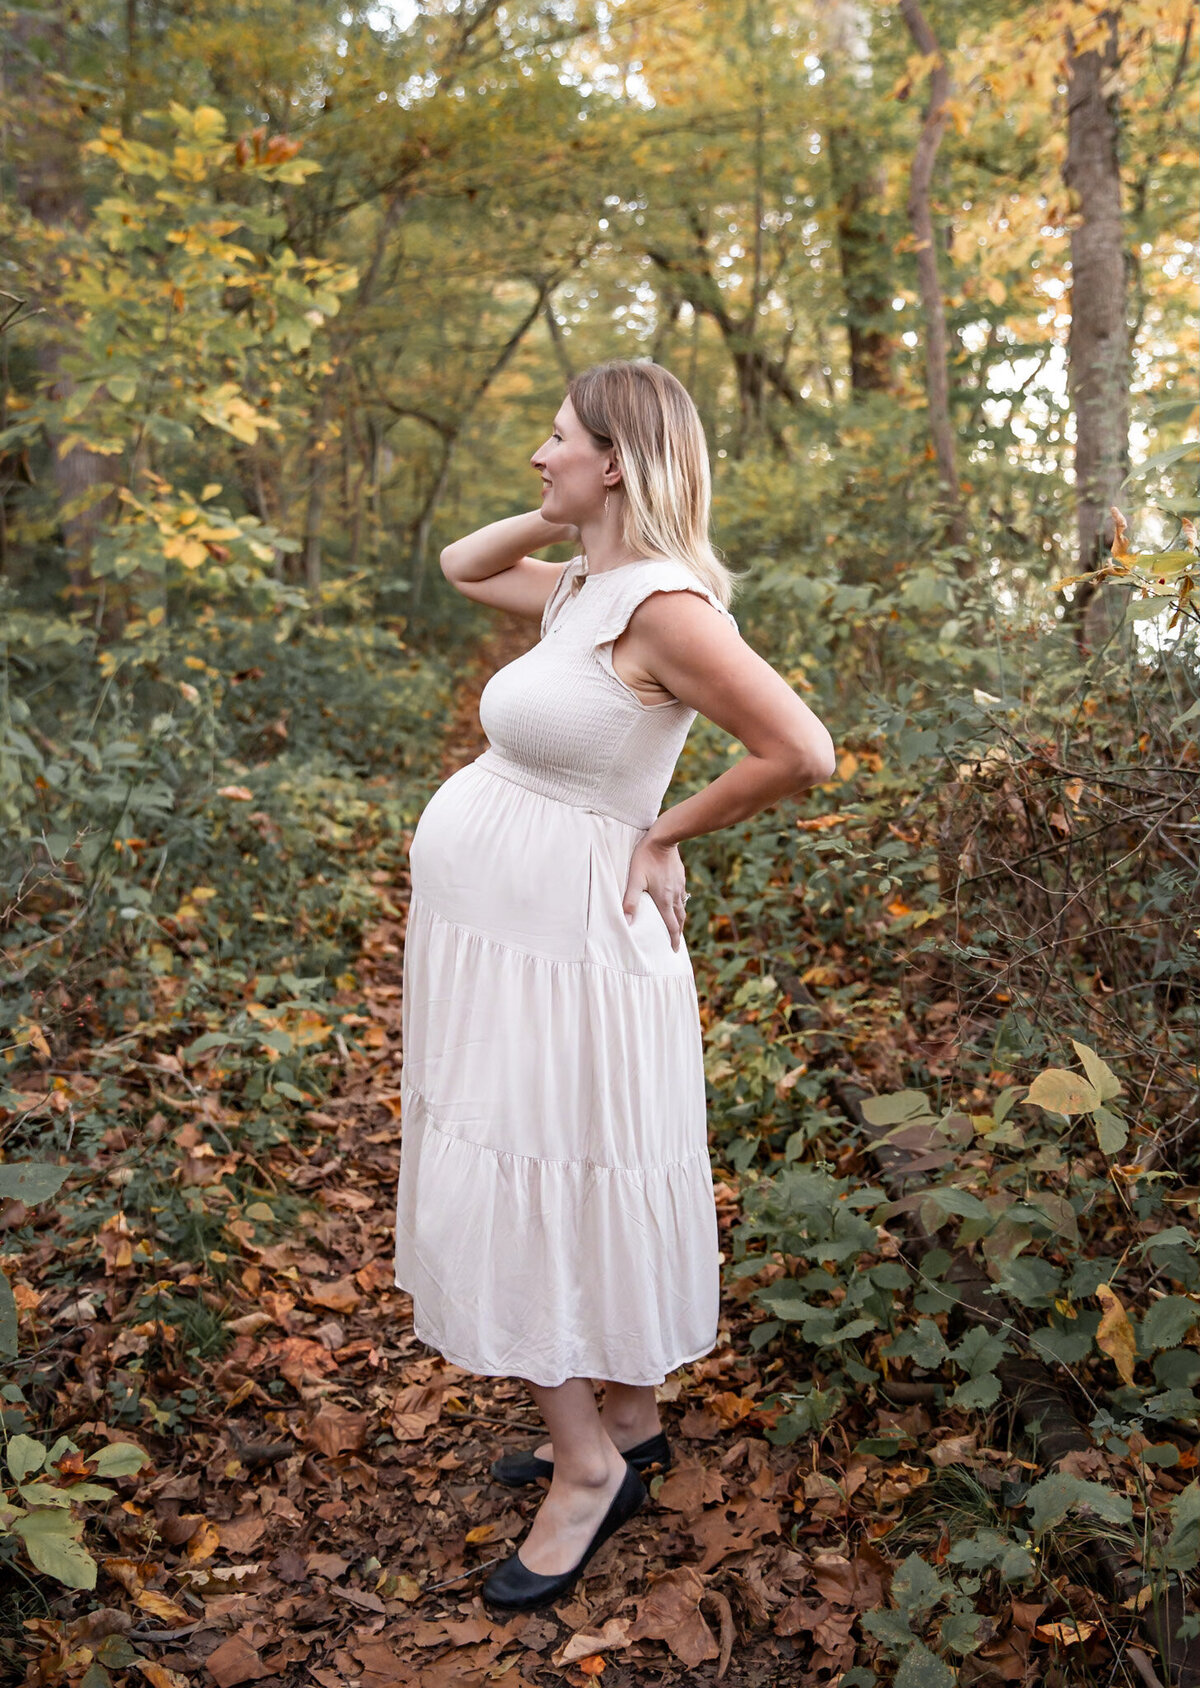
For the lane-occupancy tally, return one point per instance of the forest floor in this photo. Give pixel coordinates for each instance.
(331, 1521)
(326, 1514)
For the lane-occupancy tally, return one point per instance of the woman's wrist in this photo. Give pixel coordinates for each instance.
(657, 837)
(497, 546)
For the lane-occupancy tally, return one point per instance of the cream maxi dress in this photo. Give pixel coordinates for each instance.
(555, 1214)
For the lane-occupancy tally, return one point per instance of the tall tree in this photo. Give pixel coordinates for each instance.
(1098, 348)
(920, 211)
(859, 183)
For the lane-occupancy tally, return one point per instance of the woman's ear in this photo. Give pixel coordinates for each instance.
(612, 471)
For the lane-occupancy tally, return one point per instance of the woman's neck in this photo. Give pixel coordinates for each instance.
(601, 542)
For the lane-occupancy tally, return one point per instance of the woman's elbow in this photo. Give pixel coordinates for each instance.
(815, 762)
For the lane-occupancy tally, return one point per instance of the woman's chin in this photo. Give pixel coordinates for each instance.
(552, 513)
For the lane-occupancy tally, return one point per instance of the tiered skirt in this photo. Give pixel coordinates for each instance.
(555, 1215)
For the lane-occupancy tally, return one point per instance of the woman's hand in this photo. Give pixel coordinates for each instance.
(657, 868)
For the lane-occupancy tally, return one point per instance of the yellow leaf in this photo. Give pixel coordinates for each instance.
(159, 1606)
(1066, 1632)
(210, 491)
(207, 123)
(308, 1027)
(1115, 1336)
(203, 1544)
(996, 291)
(160, 1677)
(239, 793)
(1062, 1092)
(481, 1532)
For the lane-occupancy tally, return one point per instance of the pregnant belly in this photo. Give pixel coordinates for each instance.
(506, 862)
(537, 874)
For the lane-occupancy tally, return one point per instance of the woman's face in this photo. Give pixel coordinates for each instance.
(573, 469)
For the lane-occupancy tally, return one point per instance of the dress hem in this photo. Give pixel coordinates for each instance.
(478, 1369)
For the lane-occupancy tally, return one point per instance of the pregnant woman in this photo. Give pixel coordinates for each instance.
(555, 1219)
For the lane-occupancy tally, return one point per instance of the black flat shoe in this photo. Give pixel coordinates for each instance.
(520, 1468)
(515, 1588)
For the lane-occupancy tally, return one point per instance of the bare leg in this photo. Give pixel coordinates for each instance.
(588, 1471)
(629, 1415)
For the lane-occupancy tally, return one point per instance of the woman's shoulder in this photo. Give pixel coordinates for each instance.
(673, 574)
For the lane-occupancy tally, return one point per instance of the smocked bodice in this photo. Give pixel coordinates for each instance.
(562, 722)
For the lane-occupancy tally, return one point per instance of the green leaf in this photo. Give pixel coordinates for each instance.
(1161, 460)
(1056, 1495)
(52, 1542)
(977, 1394)
(1182, 1552)
(916, 1588)
(889, 1627)
(1188, 715)
(25, 1455)
(47, 1494)
(962, 1632)
(8, 1316)
(923, 1343)
(1101, 1076)
(1167, 1322)
(32, 1181)
(985, 1549)
(1112, 1133)
(116, 1650)
(1070, 1344)
(1032, 1281)
(1063, 1092)
(119, 1459)
(919, 1668)
(1175, 1236)
(979, 1351)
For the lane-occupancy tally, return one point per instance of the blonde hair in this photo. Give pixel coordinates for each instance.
(648, 417)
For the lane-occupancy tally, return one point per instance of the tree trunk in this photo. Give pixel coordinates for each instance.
(1098, 347)
(44, 147)
(859, 186)
(318, 457)
(937, 366)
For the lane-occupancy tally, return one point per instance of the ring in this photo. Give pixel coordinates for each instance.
(686, 895)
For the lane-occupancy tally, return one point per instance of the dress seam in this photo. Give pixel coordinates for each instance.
(685, 980)
(546, 1160)
(550, 796)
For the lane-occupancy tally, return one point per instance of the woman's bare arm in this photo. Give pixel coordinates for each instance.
(491, 565)
(702, 659)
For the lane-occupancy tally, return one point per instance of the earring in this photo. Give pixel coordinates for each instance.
(606, 497)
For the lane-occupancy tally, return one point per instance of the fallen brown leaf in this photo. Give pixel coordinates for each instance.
(234, 1661)
(671, 1613)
